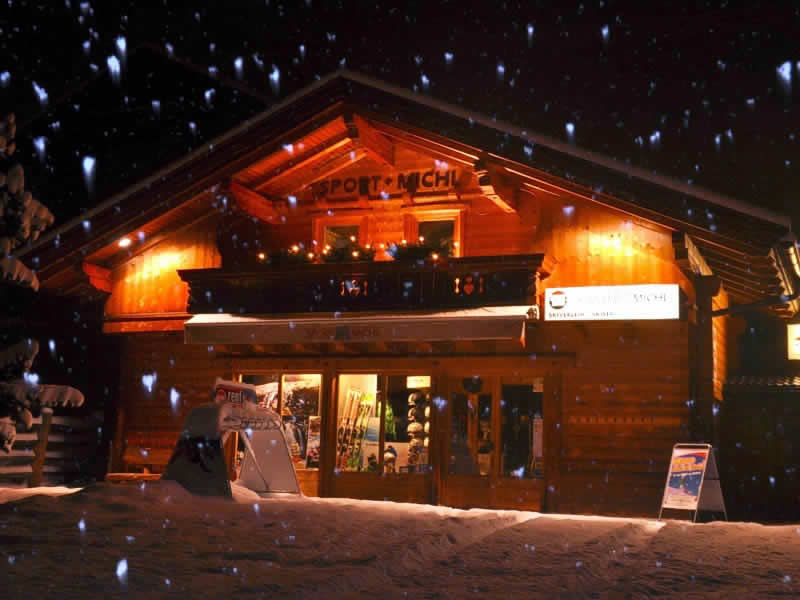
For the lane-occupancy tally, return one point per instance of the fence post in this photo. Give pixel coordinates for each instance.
(35, 479)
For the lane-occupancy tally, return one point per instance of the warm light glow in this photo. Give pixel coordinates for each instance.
(352, 238)
(435, 256)
(455, 244)
(325, 251)
(261, 256)
(295, 248)
(403, 242)
(382, 246)
(124, 242)
(310, 256)
(421, 239)
(355, 253)
(161, 263)
(369, 246)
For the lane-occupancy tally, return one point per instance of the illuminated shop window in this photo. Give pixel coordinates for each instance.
(296, 397)
(383, 423)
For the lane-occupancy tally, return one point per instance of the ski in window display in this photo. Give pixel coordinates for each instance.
(384, 424)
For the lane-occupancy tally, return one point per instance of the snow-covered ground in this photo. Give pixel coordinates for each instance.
(156, 540)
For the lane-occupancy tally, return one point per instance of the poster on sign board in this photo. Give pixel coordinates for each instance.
(686, 470)
(693, 482)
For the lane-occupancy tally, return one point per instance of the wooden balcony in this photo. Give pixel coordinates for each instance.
(367, 286)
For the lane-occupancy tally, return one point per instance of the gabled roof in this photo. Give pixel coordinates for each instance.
(736, 240)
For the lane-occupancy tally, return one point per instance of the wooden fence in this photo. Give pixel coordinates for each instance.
(57, 450)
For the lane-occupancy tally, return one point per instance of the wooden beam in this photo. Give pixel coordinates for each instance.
(447, 149)
(306, 160)
(253, 203)
(376, 144)
(99, 277)
(143, 326)
(340, 348)
(497, 186)
(328, 169)
(424, 348)
(687, 256)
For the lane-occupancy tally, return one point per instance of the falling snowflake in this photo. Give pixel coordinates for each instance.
(40, 143)
(88, 166)
(113, 64)
(40, 93)
(148, 381)
(785, 72)
(122, 570)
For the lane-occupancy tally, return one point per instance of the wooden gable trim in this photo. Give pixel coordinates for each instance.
(377, 145)
(688, 257)
(99, 277)
(253, 203)
(304, 161)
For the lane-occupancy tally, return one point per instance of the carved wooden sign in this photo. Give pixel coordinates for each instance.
(388, 183)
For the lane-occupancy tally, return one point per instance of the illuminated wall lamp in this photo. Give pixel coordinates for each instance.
(124, 242)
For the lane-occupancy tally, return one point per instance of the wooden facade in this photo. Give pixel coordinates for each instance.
(614, 396)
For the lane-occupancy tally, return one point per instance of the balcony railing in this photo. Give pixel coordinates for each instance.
(367, 286)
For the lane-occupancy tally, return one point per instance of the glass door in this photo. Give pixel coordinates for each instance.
(472, 457)
(495, 453)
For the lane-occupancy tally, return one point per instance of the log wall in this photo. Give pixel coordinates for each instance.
(153, 418)
(623, 406)
(149, 283)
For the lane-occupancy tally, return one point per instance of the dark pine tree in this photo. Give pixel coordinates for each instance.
(22, 218)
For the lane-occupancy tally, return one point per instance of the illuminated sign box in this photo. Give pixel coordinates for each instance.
(612, 302)
(416, 382)
(793, 341)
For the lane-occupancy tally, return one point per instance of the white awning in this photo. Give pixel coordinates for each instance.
(485, 323)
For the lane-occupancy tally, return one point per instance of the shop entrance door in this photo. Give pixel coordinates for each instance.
(494, 429)
(470, 452)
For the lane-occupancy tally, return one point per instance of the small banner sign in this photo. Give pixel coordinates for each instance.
(693, 480)
(612, 302)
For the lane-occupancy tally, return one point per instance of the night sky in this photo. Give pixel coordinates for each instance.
(709, 96)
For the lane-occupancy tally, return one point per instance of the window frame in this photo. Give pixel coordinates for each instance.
(411, 223)
(319, 224)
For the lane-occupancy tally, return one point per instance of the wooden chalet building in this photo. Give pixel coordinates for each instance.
(499, 362)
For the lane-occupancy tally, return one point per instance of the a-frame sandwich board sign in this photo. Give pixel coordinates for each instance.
(693, 481)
